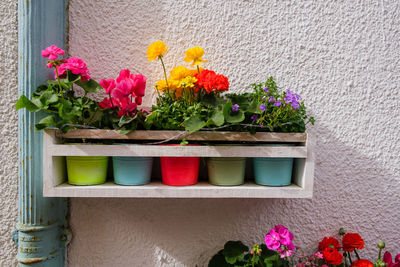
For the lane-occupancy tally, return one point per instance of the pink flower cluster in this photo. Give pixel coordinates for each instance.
(280, 239)
(52, 52)
(77, 66)
(122, 91)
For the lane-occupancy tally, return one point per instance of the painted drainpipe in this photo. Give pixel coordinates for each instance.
(42, 230)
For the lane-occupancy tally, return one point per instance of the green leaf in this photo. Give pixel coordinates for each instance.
(217, 118)
(24, 102)
(194, 123)
(232, 116)
(125, 120)
(233, 251)
(90, 86)
(47, 98)
(45, 122)
(218, 260)
(125, 131)
(254, 107)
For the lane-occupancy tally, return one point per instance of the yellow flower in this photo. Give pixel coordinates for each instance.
(156, 49)
(194, 54)
(180, 72)
(188, 82)
(161, 86)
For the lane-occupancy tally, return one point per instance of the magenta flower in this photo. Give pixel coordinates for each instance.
(272, 240)
(387, 258)
(52, 52)
(109, 85)
(124, 88)
(139, 84)
(77, 66)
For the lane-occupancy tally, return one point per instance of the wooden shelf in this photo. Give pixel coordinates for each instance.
(54, 152)
(159, 190)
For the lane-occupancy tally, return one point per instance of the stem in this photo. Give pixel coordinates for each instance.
(198, 69)
(58, 80)
(112, 104)
(165, 72)
(351, 262)
(358, 256)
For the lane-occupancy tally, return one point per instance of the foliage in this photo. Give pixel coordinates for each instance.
(58, 99)
(235, 253)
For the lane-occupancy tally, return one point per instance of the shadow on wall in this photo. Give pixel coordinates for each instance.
(351, 190)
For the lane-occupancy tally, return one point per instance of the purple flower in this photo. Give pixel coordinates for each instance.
(262, 107)
(266, 89)
(292, 99)
(254, 118)
(277, 103)
(271, 99)
(235, 107)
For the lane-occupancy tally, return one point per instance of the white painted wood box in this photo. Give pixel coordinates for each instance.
(245, 145)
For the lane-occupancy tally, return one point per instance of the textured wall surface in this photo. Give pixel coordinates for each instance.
(341, 56)
(8, 130)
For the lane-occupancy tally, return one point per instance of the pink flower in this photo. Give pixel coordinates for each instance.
(272, 240)
(138, 100)
(52, 52)
(124, 74)
(77, 66)
(285, 252)
(126, 106)
(124, 88)
(387, 258)
(139, 84)
(106, 103)
(108, 85)
(319, 255)
(285, 236)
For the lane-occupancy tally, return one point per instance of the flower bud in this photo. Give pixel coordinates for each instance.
(342, 231)
(381, 245)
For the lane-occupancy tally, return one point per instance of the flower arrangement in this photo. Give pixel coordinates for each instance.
(59, 99)
(185, 94)
(124, 96)
(279, 250)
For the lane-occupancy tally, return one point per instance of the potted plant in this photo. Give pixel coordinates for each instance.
(190, 99)
(124, 96)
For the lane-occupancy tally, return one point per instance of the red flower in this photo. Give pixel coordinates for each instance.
(362, 263)
(210, 81)
(328, 242)
(332, 256)
(351, 241)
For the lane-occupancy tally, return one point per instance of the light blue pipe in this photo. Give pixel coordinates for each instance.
(42, 230)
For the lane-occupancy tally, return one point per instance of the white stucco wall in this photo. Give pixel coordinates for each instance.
(341, 56)
(8, 130)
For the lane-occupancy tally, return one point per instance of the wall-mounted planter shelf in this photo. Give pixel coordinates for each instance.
(54, 152)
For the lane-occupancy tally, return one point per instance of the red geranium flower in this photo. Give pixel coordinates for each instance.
(351, 241)
(328, 242)
(211, 81)
(362, 263)
(332, 256)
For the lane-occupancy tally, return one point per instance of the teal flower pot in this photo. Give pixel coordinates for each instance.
(132, 170)
(89, 170)
(273, 171)
(226, 171)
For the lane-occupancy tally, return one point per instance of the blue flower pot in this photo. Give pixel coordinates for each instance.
(132, 170)
(273, 171)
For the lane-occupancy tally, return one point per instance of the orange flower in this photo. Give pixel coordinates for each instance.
(362, 263)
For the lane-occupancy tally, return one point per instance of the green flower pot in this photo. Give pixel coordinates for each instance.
(90, 170)
(226, 171)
